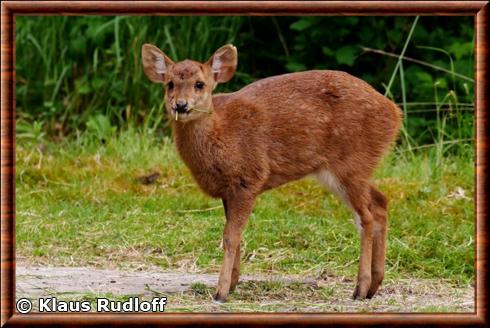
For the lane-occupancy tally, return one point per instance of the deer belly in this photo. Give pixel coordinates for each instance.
(276, 180)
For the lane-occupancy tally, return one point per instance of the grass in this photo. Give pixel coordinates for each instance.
(74, 72)
(82, 67)
(80, 203)
(80, 200)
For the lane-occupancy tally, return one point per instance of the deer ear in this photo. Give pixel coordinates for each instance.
(155, 63)
(223, 63)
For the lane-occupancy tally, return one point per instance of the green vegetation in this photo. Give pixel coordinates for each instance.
(74, 72)
(80, 203)
(90, 125)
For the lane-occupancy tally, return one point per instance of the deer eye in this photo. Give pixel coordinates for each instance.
(199, 85)
(170, 85)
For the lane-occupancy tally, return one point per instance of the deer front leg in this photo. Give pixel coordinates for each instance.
(235, 273)
(237, 209)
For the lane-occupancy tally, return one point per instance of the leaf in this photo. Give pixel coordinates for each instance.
(346, 55)
(461, 49)
(82, 86)
(441, 83)
(424, 77)
(295, 67)
(100, 126)
(328, 52)
(301, 24)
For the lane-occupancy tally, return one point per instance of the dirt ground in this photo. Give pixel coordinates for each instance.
(193, 291)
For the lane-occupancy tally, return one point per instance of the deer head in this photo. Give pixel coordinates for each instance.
(189, 84)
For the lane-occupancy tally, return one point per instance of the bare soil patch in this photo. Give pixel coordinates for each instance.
(193, 291)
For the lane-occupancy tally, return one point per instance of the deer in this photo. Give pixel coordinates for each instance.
(322, 123)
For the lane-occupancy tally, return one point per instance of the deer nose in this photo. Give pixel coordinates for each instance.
(181, 106)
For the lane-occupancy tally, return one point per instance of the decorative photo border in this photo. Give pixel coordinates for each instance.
(10, 9)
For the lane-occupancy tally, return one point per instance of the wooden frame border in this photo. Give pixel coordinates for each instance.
(9, 9)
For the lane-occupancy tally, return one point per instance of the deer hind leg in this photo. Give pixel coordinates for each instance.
(356, 195)
(364, 220)
(379, 205)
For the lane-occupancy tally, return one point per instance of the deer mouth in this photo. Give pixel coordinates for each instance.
(181, 110)
(178, 114)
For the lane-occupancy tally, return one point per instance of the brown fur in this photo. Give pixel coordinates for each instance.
(281, 129)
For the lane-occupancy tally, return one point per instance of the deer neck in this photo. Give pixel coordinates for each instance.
(196, 140)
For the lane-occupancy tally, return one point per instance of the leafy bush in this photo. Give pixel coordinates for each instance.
(71, 70)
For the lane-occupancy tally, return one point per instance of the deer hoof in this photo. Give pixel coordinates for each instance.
(376, 282)
(219, 299)
(357, 295)
(372, 291)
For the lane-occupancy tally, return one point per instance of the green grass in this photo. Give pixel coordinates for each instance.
(85, 72)
(79, 203)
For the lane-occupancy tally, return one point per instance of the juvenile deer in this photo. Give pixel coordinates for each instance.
(327, 124)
